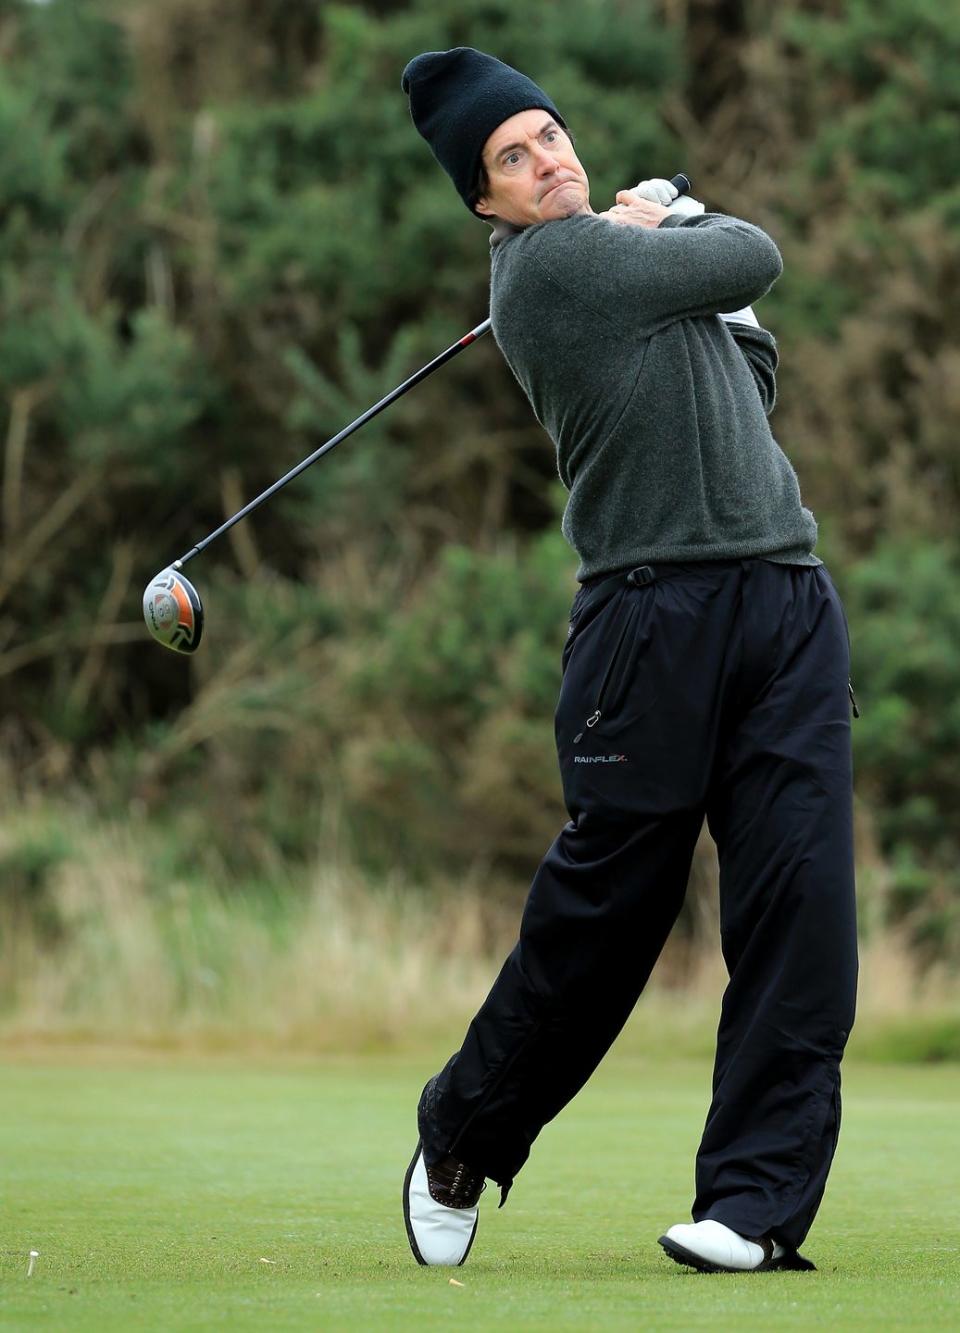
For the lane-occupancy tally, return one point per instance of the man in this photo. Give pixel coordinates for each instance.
(705, 675)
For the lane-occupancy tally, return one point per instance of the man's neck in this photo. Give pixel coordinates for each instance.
(503, 230)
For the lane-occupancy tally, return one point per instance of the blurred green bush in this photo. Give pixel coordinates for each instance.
(905, 618)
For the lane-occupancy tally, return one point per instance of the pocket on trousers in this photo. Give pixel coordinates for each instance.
(611, 682)
(618, 671)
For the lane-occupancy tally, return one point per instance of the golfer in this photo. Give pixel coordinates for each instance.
(705, 676)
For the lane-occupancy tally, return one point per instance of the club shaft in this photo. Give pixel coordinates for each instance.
(361, 420)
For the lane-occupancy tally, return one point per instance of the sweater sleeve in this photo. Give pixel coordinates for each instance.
(644, 278)
(759, 350)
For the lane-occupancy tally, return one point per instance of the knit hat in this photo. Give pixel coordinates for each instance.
(458, 98)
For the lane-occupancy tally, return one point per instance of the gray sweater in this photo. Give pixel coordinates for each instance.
(658, 409)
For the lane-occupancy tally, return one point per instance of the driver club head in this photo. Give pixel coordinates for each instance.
(173, 611)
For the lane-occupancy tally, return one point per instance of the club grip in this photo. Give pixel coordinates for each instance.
(681, 183)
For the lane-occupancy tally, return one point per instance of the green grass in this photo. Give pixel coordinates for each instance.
(155, 1188)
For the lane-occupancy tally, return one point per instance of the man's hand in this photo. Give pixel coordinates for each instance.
(663, 192)
(657, 190)
(630, 211)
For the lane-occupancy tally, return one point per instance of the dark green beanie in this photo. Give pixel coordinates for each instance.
(458, 98)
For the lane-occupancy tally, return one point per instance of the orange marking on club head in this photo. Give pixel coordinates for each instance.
(183, 602)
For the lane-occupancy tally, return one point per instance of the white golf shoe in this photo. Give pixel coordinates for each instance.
(714, 1248)
(440, 1210)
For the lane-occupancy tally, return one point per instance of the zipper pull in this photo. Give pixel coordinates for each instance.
(592, 721)
(853, 699)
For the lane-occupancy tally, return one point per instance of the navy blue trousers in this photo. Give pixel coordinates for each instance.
(717, 690)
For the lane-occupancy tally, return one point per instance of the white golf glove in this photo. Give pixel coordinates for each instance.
(663, 192)
(657, 191)
(685, 207)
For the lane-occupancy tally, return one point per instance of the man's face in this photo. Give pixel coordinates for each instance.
(534, 174)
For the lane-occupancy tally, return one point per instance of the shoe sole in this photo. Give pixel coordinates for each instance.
(789, 1262)
(406, 1219)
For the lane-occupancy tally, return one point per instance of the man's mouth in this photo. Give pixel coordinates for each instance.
(569, 180)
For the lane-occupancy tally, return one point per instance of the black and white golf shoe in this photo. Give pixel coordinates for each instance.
(711, 1247)
(440, 1209)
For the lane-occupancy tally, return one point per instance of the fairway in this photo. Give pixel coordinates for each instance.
(202, 1193)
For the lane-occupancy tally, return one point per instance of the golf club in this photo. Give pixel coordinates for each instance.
(171, 605)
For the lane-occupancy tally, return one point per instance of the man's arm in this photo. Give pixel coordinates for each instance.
(756, 345)
(642, 268)
(759, 350)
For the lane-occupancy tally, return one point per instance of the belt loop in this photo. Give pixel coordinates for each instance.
(641, 576)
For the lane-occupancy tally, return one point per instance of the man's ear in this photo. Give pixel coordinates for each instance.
(483, 208)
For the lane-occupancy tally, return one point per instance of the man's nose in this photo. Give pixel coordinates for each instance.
(544, 162)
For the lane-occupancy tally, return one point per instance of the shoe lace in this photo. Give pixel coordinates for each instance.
(454, 1184)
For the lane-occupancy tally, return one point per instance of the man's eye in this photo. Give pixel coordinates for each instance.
(551, 135)
(512, 159)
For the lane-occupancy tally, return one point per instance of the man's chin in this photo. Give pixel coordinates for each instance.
(563, 202)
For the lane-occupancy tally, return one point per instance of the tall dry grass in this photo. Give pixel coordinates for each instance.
(330, 962)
